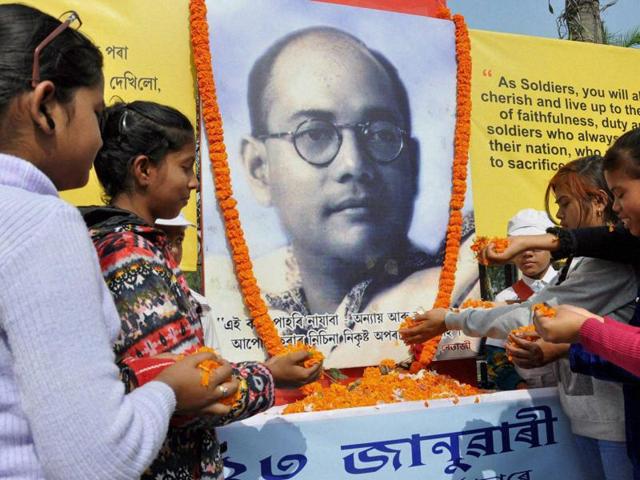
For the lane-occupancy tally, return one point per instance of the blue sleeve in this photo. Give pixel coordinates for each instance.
(587, 363)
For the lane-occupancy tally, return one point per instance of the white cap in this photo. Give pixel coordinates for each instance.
(179, 221)
(529, 222)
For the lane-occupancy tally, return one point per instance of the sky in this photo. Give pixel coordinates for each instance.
(532, 17)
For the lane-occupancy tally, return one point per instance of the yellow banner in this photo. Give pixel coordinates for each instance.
(537, 104)
(147, 56)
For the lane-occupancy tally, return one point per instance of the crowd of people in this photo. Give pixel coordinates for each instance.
(98, 326)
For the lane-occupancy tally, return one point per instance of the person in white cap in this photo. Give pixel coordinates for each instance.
(175, 228)
(535, 265)
(535, 268)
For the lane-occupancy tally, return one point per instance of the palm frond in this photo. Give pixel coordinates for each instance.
(630, 38)
(627, 39)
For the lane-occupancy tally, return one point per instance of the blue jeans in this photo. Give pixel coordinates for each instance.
(605, 459)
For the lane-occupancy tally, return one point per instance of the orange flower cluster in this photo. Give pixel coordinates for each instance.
(388, 364)
(376, 387)
(526, 332)
(314, 358)
(459, 175)
(544, 310)
(443, 13)
(481, 243)
(471, 303)
(408, 322)
(208, 366)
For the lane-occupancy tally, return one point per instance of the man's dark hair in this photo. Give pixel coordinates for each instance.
(260, 76)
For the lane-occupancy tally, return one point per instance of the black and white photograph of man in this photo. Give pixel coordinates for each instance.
(335, 168)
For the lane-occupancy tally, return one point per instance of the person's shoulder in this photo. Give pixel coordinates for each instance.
(588, 264)
(24, 205)
(600, 276)
(26, 217)
(122, 248)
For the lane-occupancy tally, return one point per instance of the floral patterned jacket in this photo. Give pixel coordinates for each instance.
(158, 316)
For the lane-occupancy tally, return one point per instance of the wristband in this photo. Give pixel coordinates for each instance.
(565, 242)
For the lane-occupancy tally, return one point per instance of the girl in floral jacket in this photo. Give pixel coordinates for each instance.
(146, 169)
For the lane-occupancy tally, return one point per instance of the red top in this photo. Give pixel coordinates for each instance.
(426, 8)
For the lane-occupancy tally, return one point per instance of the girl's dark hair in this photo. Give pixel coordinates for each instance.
(137, 128)
(585, 178)
(625, 154)
(70, 61)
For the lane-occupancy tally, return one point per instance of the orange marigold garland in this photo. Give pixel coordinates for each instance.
(459, 175)
(262, 322)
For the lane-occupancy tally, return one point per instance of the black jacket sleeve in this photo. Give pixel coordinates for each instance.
(617, 245)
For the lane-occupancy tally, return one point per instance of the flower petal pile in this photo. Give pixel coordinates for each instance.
(377, 387)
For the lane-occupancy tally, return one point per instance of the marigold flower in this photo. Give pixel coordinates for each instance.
(526, 332)
(544, 310)
(481, 243)
(472, 303)
(207, 367)
(315, 357)
(376, 387)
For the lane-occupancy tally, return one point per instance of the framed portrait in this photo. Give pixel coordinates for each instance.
(338, 125)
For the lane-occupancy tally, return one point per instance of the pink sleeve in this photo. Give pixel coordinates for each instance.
(614, 341)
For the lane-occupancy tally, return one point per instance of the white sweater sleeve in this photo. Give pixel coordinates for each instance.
(55, 315)
(600, 286)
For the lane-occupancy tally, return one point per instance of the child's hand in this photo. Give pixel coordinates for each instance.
(288, 371)
(525, 353)
(184, 377)
(429, 324)
(516, 246)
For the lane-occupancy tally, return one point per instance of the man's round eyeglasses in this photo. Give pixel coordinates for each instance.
(319, 141)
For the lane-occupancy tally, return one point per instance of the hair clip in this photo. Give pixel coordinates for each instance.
(123, 122)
